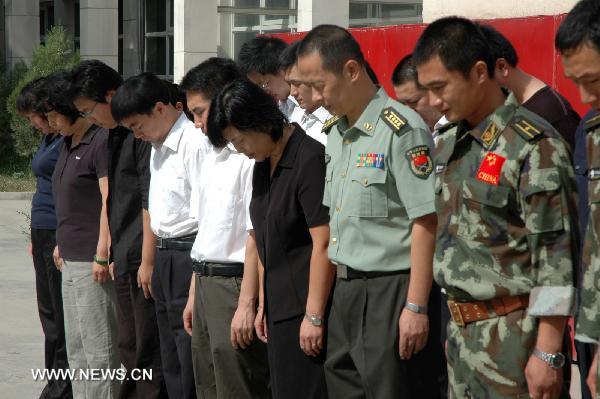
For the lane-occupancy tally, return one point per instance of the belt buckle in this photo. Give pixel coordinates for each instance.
(455, 313)
(159, 243)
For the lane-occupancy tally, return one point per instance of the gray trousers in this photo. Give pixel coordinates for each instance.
(90, 329)
(219, 370)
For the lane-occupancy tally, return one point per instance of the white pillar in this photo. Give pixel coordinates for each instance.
(477, 9)
(21, 29)
(99, 22)
(195, 36)
(316, 12)
(132, 65)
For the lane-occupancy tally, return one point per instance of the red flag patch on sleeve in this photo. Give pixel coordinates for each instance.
(490, 168)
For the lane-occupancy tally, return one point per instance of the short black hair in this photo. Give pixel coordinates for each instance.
(404, 72)
(500, 46)
(335, 46)
(92, 79)
(581, 25)
(29, 98)
(177, 96)
(138, 95)
(289, 56)
(458, 42)
(56, 85)
(371, 73)
(209, 77)
(261, 55)
(247, 107)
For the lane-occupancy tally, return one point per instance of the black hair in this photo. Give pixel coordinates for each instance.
(581, 25)
(247, 107)
(371, 73)
(55, 87)
(289, 56)
(92, 79)
(30, 95)
(261, 55)
(138, 95)
(404, 72)
(209, 77)
(335, 46)
(500, 46)
(177, 96)
(458, 42)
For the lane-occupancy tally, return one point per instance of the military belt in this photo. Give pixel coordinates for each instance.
(464, 313)
(184, 243)
(210, 269)
(347, 273)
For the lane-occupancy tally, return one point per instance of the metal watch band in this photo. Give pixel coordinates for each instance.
(554, 360)
(314, 320)
(413, 307)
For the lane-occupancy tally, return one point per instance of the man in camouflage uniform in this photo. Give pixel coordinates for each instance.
(578, 41)
(379, 190)
(507, 224)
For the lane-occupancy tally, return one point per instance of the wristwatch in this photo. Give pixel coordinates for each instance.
(413, 307)
(314, 320)
(554, 360)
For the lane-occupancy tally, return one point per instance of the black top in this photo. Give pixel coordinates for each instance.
(77, 196)
(128, 181)
(554, 108)
(43, 215)
(282, 210)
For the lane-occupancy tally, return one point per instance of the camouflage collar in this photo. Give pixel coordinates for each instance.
(592, 123)
(488, 131)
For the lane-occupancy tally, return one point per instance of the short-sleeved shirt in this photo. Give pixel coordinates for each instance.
(175, 171)
(379, 179)
(43, 215)
(507, 212)
(283, 209)
(223, 211)
(312, 123)
(588, 318)
(128, 182)
(77, 194)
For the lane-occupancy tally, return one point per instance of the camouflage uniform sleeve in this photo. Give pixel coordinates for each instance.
(547, 196)
(588, 315)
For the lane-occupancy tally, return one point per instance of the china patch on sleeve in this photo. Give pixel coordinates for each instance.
(420, 161)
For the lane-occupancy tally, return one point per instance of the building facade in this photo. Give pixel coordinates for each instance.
(168, 37)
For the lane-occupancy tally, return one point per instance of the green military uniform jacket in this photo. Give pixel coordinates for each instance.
(506, 203)
(588, 318)
(379, 178)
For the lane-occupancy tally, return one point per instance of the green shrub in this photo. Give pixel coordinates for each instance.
(8, 81)
(55, 55)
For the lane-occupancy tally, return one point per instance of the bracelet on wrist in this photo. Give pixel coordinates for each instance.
(101, 262)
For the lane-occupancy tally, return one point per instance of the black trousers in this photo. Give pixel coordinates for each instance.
(170, 286)
(50, 309)
(293, 373)
(139, 342)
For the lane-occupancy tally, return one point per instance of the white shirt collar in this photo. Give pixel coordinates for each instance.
(174, 136)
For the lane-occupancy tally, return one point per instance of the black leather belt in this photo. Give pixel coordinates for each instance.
(184, 243)
(347, 273)
(210, 269)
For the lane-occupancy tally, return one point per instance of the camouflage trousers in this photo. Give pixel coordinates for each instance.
(487, 359)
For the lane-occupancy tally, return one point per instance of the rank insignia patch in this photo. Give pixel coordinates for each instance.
(393, 119)
(490, 133)
(329, 124)
(526, 129)
(420, 161)
(490, 168)
(370, 160)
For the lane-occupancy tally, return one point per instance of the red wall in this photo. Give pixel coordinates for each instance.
(533, 38)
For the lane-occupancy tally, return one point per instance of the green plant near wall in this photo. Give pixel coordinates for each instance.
(55, 55)
(8, 80)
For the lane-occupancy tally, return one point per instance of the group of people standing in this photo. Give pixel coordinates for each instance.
(236, 256)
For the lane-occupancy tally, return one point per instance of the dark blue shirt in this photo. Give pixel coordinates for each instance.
(43, 215)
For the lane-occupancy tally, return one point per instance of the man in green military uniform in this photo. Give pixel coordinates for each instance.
(578, 41)
(379, 190)
(507, 224)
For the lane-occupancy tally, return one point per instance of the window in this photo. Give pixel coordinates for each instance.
(159, 38)
(241, 20)
(77, 28)
(377, 13)
(46, 19)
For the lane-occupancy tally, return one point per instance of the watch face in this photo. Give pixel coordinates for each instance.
(558, 360)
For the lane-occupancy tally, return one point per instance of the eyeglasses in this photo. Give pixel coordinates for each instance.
(88, 113)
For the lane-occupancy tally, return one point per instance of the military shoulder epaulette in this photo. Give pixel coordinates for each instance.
(526, 129)
(329, 124)
(393, 119)
(446, 127)
(592, 123)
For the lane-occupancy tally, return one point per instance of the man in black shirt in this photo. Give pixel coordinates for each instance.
(132, 249)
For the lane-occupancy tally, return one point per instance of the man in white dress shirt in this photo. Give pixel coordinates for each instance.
(309, 115)
(228, 361)
(142, 105)
(259, 61)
